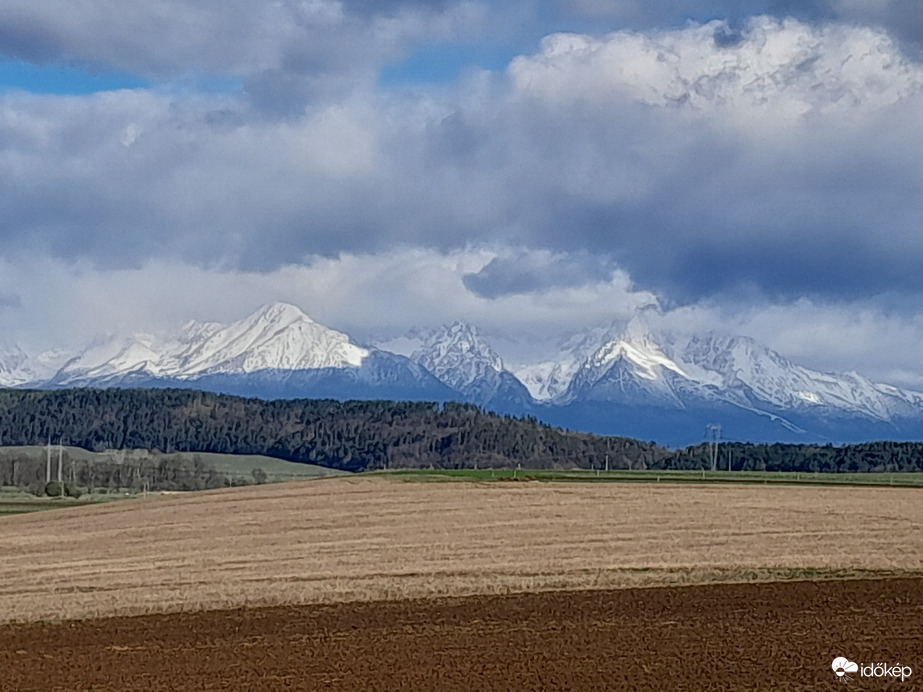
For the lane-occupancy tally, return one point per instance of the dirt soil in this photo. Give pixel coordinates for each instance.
(715, 637)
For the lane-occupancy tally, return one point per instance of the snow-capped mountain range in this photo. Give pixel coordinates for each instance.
(625, 379)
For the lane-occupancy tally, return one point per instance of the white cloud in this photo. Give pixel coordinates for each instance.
(381, 294)
(779, 70)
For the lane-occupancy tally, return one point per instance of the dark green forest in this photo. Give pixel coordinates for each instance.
(876, 457)
(352, 435)
(374, 435)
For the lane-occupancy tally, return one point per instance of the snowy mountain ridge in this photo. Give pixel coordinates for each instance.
(732, 369)
(623, 379)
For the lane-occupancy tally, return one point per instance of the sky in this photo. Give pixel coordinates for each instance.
(535, 167)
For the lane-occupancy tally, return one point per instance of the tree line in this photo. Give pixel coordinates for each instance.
(138, 472)
(867, 457)
(374, 435)
(351, 435)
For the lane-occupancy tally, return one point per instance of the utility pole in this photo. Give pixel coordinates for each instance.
(48, 461)
(714, 430)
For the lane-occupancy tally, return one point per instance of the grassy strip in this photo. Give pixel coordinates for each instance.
(21, 503)
(648, 476)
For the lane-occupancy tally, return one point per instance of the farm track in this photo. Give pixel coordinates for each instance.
(715, 637)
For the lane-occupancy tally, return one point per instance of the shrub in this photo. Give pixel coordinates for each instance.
(54, 489)
(72, 490)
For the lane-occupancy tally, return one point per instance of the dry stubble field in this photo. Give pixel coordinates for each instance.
(353, 553)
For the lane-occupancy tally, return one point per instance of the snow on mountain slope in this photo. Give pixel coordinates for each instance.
(276, 337)
(16, 368)
(768, 378)
(277, 352)
(637, 366)
(113, 357)
(462, 359)
(458, 356)
(630, 368)
(547, 380)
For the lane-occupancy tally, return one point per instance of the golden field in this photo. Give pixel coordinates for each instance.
(374, 538)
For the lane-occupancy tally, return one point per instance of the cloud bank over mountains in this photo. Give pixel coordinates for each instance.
(753, 166)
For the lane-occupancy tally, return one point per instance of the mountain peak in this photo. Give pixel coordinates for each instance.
(462, 359)
(281, 312)
(449, 345)
(277, 336)
(645, 356)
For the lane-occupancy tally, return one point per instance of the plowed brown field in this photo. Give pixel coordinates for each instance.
(780, 636)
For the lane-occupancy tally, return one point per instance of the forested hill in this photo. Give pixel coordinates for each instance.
(368, 435)
(352, 435)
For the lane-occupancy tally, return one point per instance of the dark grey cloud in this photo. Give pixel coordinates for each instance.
(10, 300)
(848, 268)
(536, 271)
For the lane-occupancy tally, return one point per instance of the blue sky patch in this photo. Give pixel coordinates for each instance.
(16, 75)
